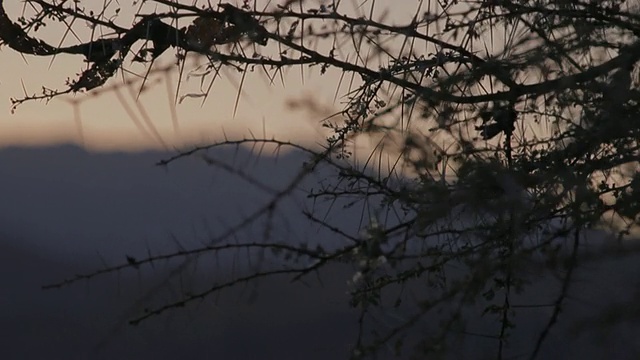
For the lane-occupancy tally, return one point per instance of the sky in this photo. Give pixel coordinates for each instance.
(102, 122)
(79, 188)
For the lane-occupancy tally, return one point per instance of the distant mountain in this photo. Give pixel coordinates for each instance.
(64, 210)
(66, 201)
(61, 206)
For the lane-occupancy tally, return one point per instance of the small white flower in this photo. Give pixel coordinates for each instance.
(356, 277)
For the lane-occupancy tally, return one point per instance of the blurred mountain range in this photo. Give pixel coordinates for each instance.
(65, 211)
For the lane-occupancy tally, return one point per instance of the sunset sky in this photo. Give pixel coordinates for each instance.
(99, 120)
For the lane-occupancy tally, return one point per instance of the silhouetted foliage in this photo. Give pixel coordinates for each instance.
(510, 128)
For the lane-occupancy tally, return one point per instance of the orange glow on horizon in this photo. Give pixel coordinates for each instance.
(124, 120)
